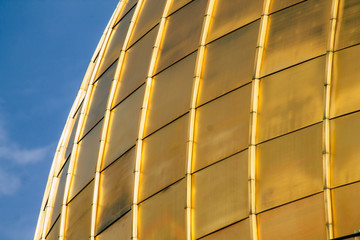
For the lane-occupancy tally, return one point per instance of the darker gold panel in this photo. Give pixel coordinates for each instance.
(136, 66)
(99, 98)
(345, 132)
(164, 155)
(229, 62)
(121, 229)
(116, 190)
(59, 195)
(128, 4)
(296, 34)
(277, 5)
(291, 99)
(54, 232)
(163, 215)
(222, 127)
(182, 34)
(345, 95)
(346, 209)
(348, 32)
(220, 194)
(176, 4)
(170, 94)
(289, 167)
(151, 13)
(78, 217)
(115, 44)
(73, 132)
(85, 164)
(230, 15)
(239, 231)
(303, 219)
(123, 127)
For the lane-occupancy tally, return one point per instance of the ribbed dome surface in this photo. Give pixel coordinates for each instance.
(213, 119)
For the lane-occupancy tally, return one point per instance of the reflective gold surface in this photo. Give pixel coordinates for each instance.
(220, 194)
(289, 167)
(121, 229)
(222, 127)
(54, 233)
(240, 231)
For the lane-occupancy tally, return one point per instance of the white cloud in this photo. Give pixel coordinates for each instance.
(10, 183)
(23, 156)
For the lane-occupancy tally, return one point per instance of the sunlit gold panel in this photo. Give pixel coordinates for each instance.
(229, 62)
(346, 209)
(238, 231)
(289, 167)
(128, 4)
(296, 34)
(345, 132)
(162, 216)
(123, 127)
(78, 217)
(182, 35)
(303, 219)
(151, 13)
(348, 32)
(346, 86)
(291, 99)
(230, 15)
(170, 94)
(116, 190)
(99, 99)
(54, 232)
(59, 195)
(222, 127)
(115, 43)
(277, 5)
(164, 155)
(86, 160)
(220, 194)
(176, 4)
(121, 229)
(73, 132)
(136, 66)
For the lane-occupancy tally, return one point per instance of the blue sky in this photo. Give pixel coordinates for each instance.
(45, 47)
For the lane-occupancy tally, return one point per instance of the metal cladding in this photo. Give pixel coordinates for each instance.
(213, 119)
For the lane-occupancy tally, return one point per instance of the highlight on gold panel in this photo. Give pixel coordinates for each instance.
(214, 119)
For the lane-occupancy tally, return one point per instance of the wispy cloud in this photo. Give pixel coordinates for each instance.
(10, 183)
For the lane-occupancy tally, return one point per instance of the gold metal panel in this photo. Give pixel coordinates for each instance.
(296, 34)
(73, 131)
(345, 132)
(170, 94)
(78, 217)
(59, 194)
(346, 209)
(289, 167)
(164, 155)
(121, 229)
(54, 232)
(348, 32)
(116, 190)
(85, 163)
(230, 15)
(238, 231)
(182, 34)
(123, 127)
(97, 104)
(151, 12)
(229, 62)
(116, 40)
(277, 5)
(135, 67)
(163, 215)
(303, 219)
(220, 194)
(176, 4)
(128, 5)
(345, 91)
(291, 99)
(222, 127)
